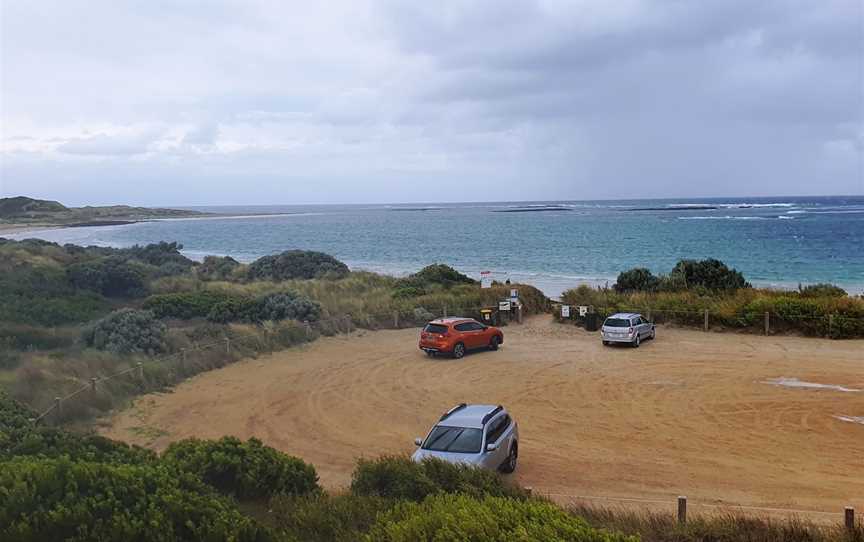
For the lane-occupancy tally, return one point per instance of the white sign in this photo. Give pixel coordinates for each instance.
(583, 310)
(514, 294)
(485, 279)
(503, 305)
(565, 311)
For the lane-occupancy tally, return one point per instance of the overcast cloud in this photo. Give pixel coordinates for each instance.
(157, 102)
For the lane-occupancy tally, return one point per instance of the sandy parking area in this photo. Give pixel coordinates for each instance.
(688, 413)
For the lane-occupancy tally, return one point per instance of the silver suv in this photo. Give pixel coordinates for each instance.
(627, 327)
(479, 435)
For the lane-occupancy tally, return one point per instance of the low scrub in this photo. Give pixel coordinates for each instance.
(325, 518)
(732, 527)
(398, 477)
(246, 470)
(454, 517)
(127, 331)
(828, 316)
(59, 499)
(296, 264)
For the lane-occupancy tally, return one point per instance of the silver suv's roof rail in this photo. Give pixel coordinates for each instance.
(460, 406)
(489, 416)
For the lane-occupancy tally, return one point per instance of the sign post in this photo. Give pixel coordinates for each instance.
(565, 311)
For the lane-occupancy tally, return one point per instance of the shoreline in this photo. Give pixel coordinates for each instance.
(550, 283)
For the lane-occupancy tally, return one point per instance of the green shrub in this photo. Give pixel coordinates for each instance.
(58, 499)
(217, 268)
(399, 477)
(637, 279)
(161, 255)
(127, 331)
(297, 264)
(111, 277)
(710, 274)
(246, 470)
(441, 274)
(233, 310)
(821, 290)
(325, 518)
(444, 518)
(185, 305)
(288, 306)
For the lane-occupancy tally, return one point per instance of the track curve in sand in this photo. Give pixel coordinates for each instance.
(689, 413)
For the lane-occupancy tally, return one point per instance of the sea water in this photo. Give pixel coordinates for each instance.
(554, 245)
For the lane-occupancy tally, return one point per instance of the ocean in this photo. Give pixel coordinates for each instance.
(554, 245)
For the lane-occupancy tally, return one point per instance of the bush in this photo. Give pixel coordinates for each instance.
(326, 518)
(58, 499)
(710, 274)
(288, 306)
(297, 264)
(462, 518)
(185, 305)
(637, 279)
(163, 255)
(111, 277)
(821, 290)
(127, 331)
(217, 268)
(234, 310)
(399, 477)
(246, 470)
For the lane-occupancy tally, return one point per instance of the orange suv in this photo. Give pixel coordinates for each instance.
(458, 335)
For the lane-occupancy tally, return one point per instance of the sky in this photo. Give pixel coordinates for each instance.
(151, 102)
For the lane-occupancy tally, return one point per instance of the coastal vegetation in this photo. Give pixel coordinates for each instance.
(59, 485)
(693, 287)
(71, 313)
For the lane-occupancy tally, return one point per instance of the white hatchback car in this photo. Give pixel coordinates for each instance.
(627, 327)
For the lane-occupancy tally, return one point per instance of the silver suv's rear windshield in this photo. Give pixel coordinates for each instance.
(435, 328)
(617, 322)
(454, 439)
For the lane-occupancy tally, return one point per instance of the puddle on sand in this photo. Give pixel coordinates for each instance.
(851, 419)
(795, 383)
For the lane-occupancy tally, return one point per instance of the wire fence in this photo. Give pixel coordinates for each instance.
(682, 503)
(266, 341)
(835, 326)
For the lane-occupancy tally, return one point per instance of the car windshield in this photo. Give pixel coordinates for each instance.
(454, 439)
(617, 322)
(435, 328)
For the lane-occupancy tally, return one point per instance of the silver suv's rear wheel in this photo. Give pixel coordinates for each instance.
(636, 341)
(458, 350)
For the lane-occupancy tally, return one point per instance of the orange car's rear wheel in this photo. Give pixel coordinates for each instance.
(459, 350)
(494, 342)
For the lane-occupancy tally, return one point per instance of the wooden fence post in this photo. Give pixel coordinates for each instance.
(849, 518)
(444, 309)
(706, 320)
(396, 319)
(767, 322)
(682, 509)
(57, 406)
(93, 384)
(308, 328)
(228, 345)
(830, 325)
(140, 371)
(183, 356)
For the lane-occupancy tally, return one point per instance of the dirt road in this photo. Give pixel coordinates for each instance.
(689, 413)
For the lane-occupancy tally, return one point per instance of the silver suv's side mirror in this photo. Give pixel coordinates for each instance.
(491, 447)
(418, 441)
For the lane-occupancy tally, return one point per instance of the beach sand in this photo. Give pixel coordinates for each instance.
(691, 413)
